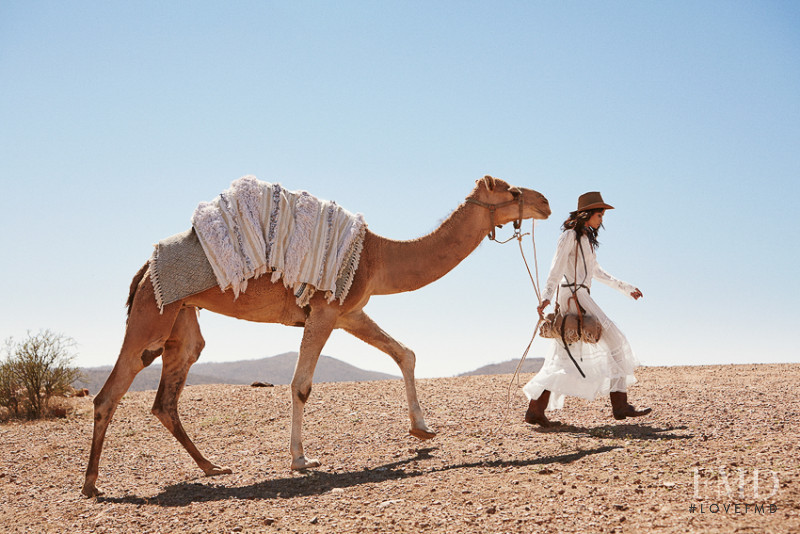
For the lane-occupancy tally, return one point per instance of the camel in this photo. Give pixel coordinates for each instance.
(386, 267)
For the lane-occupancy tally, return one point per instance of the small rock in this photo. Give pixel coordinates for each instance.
(314, 520)
(262, 385)
(491, 509)
(269, 521)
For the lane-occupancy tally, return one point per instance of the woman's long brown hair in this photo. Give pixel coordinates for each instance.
(577, 221)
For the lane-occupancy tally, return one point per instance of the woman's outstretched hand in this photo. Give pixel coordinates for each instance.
(542, 306)
(637, 294)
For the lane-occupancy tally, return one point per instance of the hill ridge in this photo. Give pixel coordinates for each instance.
(276, 370)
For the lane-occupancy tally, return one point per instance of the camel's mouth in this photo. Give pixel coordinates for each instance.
(538, 202)
(544, 211)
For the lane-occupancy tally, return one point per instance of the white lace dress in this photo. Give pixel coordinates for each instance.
(608, 364)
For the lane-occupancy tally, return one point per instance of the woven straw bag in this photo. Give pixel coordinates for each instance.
(571, 328)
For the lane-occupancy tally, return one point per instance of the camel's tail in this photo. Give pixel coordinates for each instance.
(135, 284)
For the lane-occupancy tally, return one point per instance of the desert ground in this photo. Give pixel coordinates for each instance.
(719, 454)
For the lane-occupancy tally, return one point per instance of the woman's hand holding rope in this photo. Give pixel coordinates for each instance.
(545, 303)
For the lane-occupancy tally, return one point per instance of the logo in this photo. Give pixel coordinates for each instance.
(738, 491)
(760, 485)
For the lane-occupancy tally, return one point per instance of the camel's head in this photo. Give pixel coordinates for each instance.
(508, 201)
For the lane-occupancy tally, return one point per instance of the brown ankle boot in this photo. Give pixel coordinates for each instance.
(535, 414)
(621, 408)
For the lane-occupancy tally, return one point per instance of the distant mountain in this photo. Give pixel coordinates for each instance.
(530, 365)
(274, 370)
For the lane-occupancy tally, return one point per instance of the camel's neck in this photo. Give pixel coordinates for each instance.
(409, 265)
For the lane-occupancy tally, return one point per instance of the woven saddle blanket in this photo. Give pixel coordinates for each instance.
(257, 227)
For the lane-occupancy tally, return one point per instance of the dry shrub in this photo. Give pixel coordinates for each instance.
(35, 370)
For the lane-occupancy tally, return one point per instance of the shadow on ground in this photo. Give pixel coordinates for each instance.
(317, 482)
(643, 432)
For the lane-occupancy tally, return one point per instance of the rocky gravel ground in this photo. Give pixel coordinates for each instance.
(720, 453)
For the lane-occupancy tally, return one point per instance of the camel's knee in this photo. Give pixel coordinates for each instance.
(102, 405)
(410, 358)
(98, 402)
(100, 414)
(301, 390)
(406, 359)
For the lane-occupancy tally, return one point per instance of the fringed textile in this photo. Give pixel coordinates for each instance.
(256, 227)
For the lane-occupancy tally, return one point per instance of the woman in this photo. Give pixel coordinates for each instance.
(608, 364)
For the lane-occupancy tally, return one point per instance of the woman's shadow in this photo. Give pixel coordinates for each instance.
(620, 431)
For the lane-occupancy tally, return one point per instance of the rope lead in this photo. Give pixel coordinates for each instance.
(518, 235)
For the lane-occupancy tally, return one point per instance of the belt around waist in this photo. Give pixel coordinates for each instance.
(577, 286)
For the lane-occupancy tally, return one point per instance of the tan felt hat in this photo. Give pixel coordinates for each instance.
(592, 201)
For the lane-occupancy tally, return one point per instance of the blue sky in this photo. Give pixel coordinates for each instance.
(117, 118)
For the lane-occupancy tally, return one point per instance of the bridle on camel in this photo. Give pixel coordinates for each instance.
(517, 198)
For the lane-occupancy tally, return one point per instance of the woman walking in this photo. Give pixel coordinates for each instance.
(608, 365)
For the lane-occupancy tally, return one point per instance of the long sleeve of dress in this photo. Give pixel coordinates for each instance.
(601, 275)
(566, 243)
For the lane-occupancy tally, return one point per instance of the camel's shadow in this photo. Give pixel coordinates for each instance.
(319, 482)
(621, 431)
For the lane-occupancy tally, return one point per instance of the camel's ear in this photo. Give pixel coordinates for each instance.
(487, 181)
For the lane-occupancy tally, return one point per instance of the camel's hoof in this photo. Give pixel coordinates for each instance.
(304, 463)
(215, 470)
(90, 491)
(421, 434)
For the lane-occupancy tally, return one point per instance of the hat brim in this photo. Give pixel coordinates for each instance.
(597, 205)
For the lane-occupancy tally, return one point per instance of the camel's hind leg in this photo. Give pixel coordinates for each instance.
(364, 328)
(146, 333)
(180, 352)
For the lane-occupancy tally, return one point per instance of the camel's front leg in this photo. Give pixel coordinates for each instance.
(364, 328)
(318, 328)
